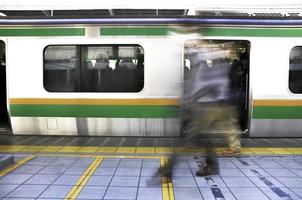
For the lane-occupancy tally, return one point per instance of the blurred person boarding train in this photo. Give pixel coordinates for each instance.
(210, 100)
(123, 76)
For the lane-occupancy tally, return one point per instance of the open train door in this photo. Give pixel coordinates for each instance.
(4, 120)
(211, 55)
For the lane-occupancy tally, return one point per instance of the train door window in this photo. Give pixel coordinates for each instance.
(113, 68)
(60, 68)
(4, 122)
(233, 54)
(295, 70)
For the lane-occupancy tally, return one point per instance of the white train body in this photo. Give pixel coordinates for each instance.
(272, 109)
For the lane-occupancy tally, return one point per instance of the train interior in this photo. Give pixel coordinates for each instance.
(4, 121)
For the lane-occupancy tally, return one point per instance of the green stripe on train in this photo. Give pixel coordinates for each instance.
(277, 112)
(43, 32)
(119, 111)
(163, 31)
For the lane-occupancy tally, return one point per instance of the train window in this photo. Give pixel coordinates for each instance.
(113, 68)
(94, 68)
(60, 68)
(295, 70)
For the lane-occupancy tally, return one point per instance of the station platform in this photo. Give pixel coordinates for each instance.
(116, 168)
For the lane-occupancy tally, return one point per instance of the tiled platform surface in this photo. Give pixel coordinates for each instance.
(115, 178)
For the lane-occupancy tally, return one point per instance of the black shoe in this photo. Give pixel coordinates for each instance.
(207, 170)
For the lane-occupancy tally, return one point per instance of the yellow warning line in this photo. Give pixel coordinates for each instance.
(16, 165)
(56, 101)
(167, 186)
(77, 188)
(143, 150)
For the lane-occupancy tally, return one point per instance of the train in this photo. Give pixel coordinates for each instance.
(123, 76)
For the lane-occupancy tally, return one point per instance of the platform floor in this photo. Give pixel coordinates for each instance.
(107, 168)
(111, 178)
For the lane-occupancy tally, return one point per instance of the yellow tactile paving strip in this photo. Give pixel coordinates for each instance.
(16, 165)
(77, 188)
(167, 185)
(142, 150)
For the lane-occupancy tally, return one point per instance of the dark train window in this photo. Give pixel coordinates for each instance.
(94, 68)
(295, 70)
(60, 68)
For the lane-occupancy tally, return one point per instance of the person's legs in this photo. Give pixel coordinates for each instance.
(232, 129)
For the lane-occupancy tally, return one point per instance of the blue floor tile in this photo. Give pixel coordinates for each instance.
(90, 192)
(67, 180)
(298, 172)
(63, 162)
(123, 181)
(28, 191)
(180, 181)
(149, 171)
(56, 191)
(104, 171)
(187, 194)
(227, 165)
(297, 191)
(266, 182)
(75, 170)
(269, 165)
(248, 193)
(128, 171)
(15, 178)
(238, 182)
(231, 173)
(53, 170)
(280, 193)
(83, 162)
(281, 173)
(211, 181)
(42, 179)
(216, 193)
(193, 165)
(121, 193)
(182, 172)
(149, 194)
(43, 161)
(182, 164)
(291, 182)
(6, 189)
(27, 169)
(129, 163)
(101, 181)
(151, 163)
(154, 181)
(255, 172)
(109, 163)
(246, 164)
(18, 198)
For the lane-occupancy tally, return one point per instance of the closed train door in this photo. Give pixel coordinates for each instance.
(4, 121)
(230, 57)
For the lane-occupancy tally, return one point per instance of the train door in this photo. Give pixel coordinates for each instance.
(4, 121)
(232, 55)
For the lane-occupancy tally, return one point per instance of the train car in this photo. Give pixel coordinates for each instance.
(125, 76)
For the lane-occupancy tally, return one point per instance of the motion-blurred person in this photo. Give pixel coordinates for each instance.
(213, 109)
